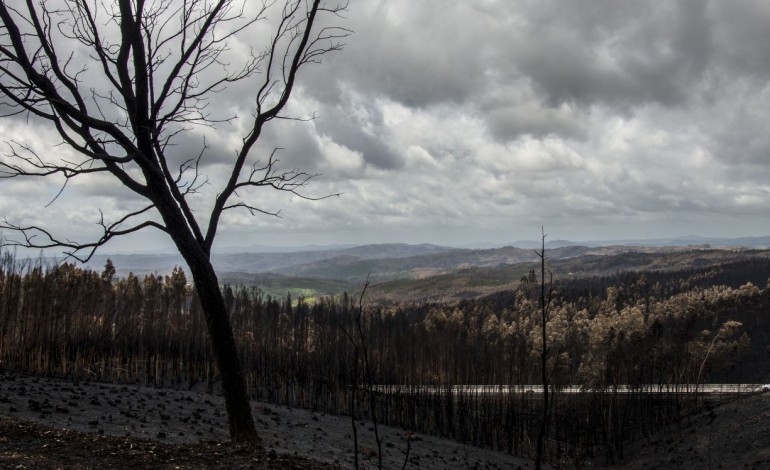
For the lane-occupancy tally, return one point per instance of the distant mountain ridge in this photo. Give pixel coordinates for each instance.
(394, 260)
(264, 262)
(683, 241)
(401, 272)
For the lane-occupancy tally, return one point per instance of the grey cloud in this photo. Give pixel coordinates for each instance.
(297, 144)
(212, 147)
(104, 186)
(741, 34)
(733, 130)
(588, 113)
(638, 52)
(416, 53)
(299, 147)
(510, 122)
(359, 126)
(595, 51)
(743, 145)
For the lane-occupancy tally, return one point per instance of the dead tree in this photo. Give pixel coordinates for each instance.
(545, 300)
(363, 345)
(122, 83)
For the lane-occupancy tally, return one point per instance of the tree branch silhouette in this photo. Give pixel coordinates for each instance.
(121, 83)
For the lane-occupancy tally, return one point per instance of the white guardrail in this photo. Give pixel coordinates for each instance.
(499, 390)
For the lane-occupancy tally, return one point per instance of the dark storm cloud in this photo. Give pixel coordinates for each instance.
(742, 33)
(618, 54)
(416, 53)
(441, 112)
(744, 143)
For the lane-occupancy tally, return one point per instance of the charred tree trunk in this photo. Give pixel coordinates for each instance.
(159, 68)
(543, 360)
(237, 403)
(212, 301)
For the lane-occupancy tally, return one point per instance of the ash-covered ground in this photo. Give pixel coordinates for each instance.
(185, 418)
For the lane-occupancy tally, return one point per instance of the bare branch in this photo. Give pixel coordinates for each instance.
(160, 64)
(297, 30)
(37, 237)
(121, 82)
(268, 176)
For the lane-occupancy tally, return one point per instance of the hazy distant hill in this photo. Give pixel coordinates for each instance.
(690, 240)
(289, 262)
(535, 244)
(401, 261)
(394, 250)
(430, 272)
(348, 267)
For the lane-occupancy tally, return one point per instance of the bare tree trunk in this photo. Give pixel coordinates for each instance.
(159, 69)
(233, 384)
(543, 360)
(237, 404)
(368, 373)
(214, 309)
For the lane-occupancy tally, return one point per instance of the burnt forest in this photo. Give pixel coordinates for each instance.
(633, 341)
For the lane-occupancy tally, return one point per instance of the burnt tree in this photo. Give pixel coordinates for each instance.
(122, 83)
(545, 376)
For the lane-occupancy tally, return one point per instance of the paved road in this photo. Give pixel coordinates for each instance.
(496, 390)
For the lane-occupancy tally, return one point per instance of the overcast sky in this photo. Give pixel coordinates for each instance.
(454, 122)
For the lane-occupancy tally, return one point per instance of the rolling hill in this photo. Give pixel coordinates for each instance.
(418, 273)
